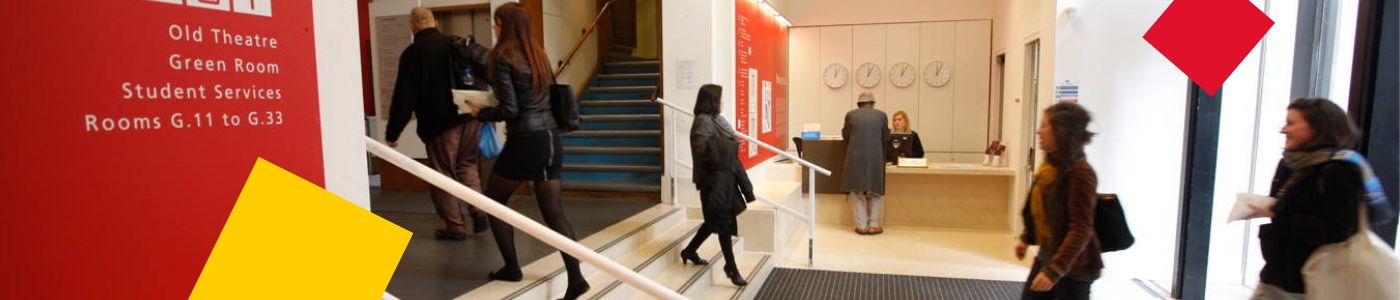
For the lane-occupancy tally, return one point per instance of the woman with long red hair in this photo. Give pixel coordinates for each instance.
(519, 73)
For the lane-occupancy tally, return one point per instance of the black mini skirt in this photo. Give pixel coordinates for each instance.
(531, 156)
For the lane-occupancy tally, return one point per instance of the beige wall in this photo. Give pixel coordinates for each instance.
(1018, 22)
(564, 21)
(842, 12)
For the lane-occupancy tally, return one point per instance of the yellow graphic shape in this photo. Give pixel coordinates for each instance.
(290, 239)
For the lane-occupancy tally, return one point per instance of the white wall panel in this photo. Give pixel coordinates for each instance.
(936, 103)
(835, 48)
(804, 75)
(971, 75)
(902, 45)
(868, 46)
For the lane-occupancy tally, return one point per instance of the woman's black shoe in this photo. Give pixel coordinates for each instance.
(512, 275)
(734, 277)
(575, 291)
(449, 236)
(691, 257)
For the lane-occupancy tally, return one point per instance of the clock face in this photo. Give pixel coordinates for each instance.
(868, 75)
(902, 74)
(836, 75)
(937, 73)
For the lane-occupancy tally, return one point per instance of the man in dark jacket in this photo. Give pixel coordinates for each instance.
(424, 89)
(865, 132)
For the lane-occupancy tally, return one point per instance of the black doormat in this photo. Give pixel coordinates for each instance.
(818, 284)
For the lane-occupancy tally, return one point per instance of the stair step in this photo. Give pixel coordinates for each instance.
(633, 63)
(613, 150)
(612, 168)
(755, 268)
(630, 76)
(614, 133)
(622, 89)
(670, 272)
(644, 255)
(645, 117)
(617, 103)
(611, 187)
(545, 277)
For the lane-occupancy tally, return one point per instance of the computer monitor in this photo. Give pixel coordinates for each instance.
(900, 145)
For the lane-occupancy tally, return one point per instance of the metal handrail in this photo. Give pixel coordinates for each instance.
(586, 32)
(779, 206)
(784, 208)
(812, 169)
(525, 224)
(766, 146)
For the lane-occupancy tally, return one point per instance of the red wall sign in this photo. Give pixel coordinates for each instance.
(131, 127)
(761, 80)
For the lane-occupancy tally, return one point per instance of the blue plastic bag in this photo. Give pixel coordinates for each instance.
(490, 146)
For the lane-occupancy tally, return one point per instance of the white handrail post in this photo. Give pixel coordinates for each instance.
(811, 216)
(525, 224)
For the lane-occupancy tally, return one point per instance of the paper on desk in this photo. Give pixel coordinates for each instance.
(1242, 211)
(482, 99)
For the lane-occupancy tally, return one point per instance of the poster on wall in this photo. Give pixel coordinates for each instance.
(133, 125)
(392, 35)
(761, 50)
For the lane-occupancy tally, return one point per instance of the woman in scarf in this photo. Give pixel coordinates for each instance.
(1320, 185)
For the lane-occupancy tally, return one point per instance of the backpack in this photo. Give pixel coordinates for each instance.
(1110, 224)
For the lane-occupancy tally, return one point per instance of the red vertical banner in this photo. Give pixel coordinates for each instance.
(761, 79)
(132, 126)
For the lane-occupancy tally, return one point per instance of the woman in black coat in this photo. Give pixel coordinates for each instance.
(1320, 186)
(724, 184)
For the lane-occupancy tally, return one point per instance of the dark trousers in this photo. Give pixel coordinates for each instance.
(455, 153)
(1065, 289)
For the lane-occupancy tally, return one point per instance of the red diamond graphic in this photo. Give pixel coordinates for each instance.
(1207, 39)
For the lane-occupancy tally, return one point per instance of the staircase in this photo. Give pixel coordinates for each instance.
(649, 243)
(619, 147)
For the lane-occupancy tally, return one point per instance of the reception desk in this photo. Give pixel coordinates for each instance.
(969, 196)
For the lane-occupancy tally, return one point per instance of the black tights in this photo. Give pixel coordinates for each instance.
(726, 245)
(551, 205)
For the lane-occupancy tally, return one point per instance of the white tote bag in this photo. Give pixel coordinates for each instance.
(1361, 267)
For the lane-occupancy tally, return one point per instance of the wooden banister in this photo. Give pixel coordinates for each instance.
(589, 31)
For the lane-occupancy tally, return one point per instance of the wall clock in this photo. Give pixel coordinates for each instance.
(868, 75)
(836, 75)
(902, 74)
(937, 73)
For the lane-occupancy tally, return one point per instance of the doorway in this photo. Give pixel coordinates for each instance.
(1031, 108)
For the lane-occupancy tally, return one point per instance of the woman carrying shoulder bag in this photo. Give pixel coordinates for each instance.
(1322, 187)
(1059, 211)
(520, 77)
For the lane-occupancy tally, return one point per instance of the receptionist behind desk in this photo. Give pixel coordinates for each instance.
(903, 142)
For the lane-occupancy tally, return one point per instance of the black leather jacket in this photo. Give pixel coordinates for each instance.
(523, 109)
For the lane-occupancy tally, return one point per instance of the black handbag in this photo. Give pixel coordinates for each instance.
(564, 107)
(1110, 224)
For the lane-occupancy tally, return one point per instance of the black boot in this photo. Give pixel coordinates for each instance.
(507, 273)
(690, 257)
(479, 223)
(734, 276)
(575, 289)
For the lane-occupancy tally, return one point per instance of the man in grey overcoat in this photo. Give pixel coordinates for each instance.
(865, 132)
